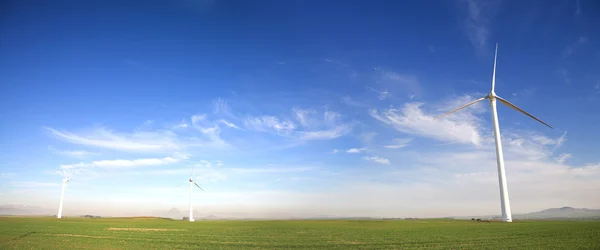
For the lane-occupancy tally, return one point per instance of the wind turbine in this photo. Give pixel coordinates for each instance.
(504, 201)
(66, 180)
(192, 183)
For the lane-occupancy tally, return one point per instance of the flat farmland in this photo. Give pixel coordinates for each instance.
(156, 233)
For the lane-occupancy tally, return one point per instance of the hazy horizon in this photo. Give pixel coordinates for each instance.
(298, 109)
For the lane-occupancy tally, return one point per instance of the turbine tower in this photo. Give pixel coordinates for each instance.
(504, 201)
(192, 183)
(66, 180)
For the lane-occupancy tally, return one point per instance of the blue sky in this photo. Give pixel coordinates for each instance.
(297, 108)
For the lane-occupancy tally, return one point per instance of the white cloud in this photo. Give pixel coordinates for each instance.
(377, 159)
(270, 123)
(329, 134)
(352, 102)
(138, 141)
(543, 140)
(565, 74)
(572, 46)
(182, 124)
(412, 120)
(355, 150)
(303, 116)
(119, 163)
(210, 130)
(388, 83)
(220, 107)
(561, 140)
(439, 180)
(349, 151)
(147, 125)
(229, 124)
(399, 143)
(271, 170)
(201, 175)
(400, 78)
(563, 157)
(367, 137)
(331, 118)
(72, 153)
(477, 23)
(314, 129)
(209, 164)
(383, 94)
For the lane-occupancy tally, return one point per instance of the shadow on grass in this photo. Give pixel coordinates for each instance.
(17, 238)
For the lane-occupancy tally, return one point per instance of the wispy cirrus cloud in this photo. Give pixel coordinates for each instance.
(383, 94)
(304, 116)
(120, 163)
(209, 164)
(349, 151)
(393, 82)
(573, 46)
(105, 138)
(270, 123)
(229, 124)
(477, 24)
(328, 134)
(196, 131)
(272, 170)
(355, 150)
(181, 125)
(398, 143)
(312, 128)
(563, 158)
(377, 159)
(411, 119)
(72, 153)
(210, 130)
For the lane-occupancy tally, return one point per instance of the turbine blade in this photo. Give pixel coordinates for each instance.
(192, 174)
(64, 173)
(198, 186)
(494, 74)
(466, 105)
(507, 103)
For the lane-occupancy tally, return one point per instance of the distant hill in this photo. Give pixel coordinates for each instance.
(23, 210)
(174, 213)
(563, 212)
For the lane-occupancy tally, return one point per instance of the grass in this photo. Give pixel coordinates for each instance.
(155, 233)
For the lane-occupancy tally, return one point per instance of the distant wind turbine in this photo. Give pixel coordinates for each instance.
(66, 180)
(504, 201)
(192, 183)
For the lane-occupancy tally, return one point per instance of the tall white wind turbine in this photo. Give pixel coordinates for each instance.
(504, 201)
(192, 183)
(66, 180)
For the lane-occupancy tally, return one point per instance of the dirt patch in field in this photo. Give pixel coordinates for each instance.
(84, 236)
(143, 229)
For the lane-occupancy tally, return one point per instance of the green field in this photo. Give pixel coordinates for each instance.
(153, 233)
